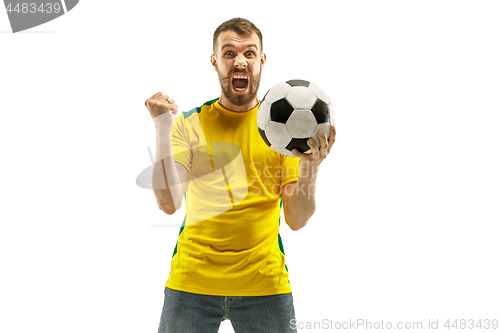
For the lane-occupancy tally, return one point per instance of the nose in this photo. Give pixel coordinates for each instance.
(240, 61)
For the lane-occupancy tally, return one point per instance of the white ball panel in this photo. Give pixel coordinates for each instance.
(319, 93)
(277, 92)
(282, 151)
(301, 124)
(325, 127)
(263, 114)
(277, 134)
(301, 97)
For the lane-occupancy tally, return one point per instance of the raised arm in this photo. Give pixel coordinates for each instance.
(169, 177)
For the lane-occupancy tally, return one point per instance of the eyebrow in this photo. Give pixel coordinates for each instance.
(232, 45)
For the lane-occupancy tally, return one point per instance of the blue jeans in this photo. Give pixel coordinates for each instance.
(189, 313)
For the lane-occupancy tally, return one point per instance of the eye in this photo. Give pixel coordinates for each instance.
(228, 54)
(250, 54)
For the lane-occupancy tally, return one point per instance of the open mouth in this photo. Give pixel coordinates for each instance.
(240, 82)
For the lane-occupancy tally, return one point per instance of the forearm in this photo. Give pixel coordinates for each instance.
(167, 186)
(302, 203)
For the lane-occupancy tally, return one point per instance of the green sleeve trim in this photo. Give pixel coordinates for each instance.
(280, 242)
(182, 228)
(186, 114)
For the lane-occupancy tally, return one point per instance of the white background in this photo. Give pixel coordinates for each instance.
(406, 227)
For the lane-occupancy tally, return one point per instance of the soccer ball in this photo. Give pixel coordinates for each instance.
(292, 112)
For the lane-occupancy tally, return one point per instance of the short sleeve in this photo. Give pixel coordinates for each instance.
(290, 167)
(180, 143)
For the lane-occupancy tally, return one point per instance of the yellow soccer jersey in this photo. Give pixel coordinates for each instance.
(229, 242)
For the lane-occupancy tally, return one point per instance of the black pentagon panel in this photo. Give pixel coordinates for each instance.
(299, 144)
(281, 111)
(321, 111)
(295, 83)
(264, 137)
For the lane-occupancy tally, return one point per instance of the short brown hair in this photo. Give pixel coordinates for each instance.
(239, 25)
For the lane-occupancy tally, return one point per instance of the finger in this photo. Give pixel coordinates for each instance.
(323, 144)
(163, 104)
(297, 153)
(168, 106)
(163, 97)
(331, 139)
(313, 146)
(314, 154)
(166, 98)
(175, 109)
(154, 96)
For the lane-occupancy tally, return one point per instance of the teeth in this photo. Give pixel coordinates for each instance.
(240, 76)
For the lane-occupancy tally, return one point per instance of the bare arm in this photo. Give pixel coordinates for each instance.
(299, 201)
(169, 177)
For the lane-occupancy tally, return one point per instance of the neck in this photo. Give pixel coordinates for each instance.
(237, 108)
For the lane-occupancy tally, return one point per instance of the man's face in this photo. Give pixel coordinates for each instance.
(238, 62)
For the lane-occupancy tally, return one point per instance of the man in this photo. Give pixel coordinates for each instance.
(229, 261)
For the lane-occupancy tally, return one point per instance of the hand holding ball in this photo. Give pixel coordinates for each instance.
(291, 113)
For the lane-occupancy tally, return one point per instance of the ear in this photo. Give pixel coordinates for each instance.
(263, 59)
(213, 61)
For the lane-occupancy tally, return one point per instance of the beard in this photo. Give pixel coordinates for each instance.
(237, 99)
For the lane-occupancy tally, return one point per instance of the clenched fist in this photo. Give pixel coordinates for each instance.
(162, 109)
